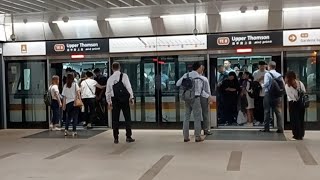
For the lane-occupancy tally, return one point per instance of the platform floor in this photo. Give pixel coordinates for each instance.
(158, 155)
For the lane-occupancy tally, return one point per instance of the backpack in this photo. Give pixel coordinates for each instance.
(303, 100)
(256, 89)
(250, 91)
(277, 88)
(188, 87)
(120, 92)
(47, 98)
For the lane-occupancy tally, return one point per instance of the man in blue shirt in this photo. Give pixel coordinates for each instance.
(270, 103)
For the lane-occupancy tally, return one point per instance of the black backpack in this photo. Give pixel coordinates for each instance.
(250, 91)
(47, 98)
(120, 92)
(277, 88)
(188, 87)
(256, 89)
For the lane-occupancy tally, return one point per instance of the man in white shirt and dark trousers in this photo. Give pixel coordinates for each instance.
(193, 105)
(88, 94)
(119, 94)
(258, 76)
(269, 102)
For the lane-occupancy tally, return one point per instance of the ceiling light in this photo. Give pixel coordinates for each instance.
(249, 12)
(128, 18)
(73, 21)
(301, 8)
(182, 15)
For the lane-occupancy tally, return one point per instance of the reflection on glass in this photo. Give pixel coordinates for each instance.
(26, 73)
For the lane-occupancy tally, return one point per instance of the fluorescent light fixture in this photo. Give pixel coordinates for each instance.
(74, 21)
(301, 8)
(244, 50)
(182, 15)
(249, 12)
(128, 18)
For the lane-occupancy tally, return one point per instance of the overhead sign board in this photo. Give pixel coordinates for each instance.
(238, 40)
(24, 49)
(86, 46)
(301, 37)
(163, 43)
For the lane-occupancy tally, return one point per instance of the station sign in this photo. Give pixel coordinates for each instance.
(239, 40)
(301, 37)
(24, 49)
(86, 46)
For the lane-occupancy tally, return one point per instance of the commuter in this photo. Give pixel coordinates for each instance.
(295, 89)
(71, 95)
(64, 81)
(88, 94)
(221, 77)
(247, 92)
(119, 94)
(227, 66)
(230, 90)
(56, 103)
(259, 92)
(101, 96)
(274, 88)
(205, 103)
(193, 86)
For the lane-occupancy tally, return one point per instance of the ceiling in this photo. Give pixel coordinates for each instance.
(47, 10)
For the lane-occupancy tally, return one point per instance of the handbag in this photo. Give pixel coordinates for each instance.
(77, 101)
(303, 100)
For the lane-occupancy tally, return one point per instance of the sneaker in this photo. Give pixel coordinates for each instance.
(89, 126)
(199, 139)
(249, 124)
(51, 127)
(293, 139)
(74, 134)
(257, 123)
(66, 133)
(56, 129)
(186, 140)
(130, 140)
(207, 133)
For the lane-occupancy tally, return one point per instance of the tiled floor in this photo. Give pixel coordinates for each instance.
(158, 155)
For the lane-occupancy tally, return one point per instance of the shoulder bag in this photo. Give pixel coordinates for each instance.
(77, 101)
(303, 100)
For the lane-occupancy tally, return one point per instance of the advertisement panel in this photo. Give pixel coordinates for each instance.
(24, 49)
(163, 43)
(301, 37)
(86, 46)
(239, 40)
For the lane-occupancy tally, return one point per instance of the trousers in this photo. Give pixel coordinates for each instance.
(205, 111)
(195, 107)
(275, 105)
(116, 109)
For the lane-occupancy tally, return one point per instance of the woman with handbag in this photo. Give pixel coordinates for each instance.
(295, 89)
(71, 103)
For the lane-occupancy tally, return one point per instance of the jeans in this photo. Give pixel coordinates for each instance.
(55, 112)
(297, 119)
(194, 106)
(116, 109)
(89, 109)
(275, 105)
(72, 113)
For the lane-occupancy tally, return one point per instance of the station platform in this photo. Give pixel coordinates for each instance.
(158, 155)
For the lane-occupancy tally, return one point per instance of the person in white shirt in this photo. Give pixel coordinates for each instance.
(258, 76)
(119, 95)
(296, 112)
(70, 92)
(227, 66)
(88, 95)
(56, 103)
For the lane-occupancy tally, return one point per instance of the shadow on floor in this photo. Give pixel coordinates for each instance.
(245, 135)
(82, 134)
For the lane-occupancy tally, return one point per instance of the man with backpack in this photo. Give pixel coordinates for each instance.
(119, 94)
(193, 85)
(274, 90)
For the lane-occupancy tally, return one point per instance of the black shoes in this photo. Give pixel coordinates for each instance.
(130, 140)
(186, 140)
(263, 130)
(199, 139)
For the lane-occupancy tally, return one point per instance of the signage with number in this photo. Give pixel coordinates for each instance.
(238, 40)
(87, 46)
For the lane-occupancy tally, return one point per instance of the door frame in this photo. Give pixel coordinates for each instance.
(24, 124)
